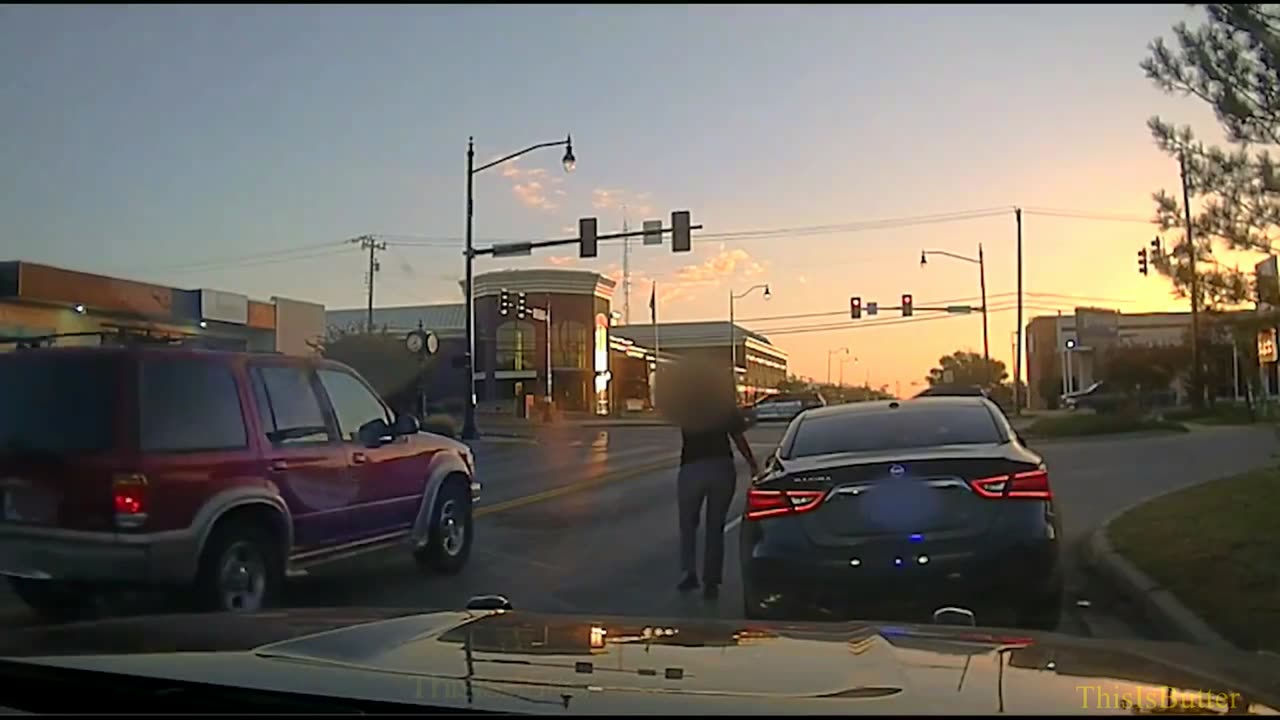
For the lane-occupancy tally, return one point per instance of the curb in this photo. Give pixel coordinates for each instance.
(1155, 601)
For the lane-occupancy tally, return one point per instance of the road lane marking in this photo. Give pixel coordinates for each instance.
(621, 474)
(728, 528)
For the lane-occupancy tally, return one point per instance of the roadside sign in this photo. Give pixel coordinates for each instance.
(873, 308)
(512, 249)
(538, 313)
(652, 232)
(1267, 345)
(960, 309)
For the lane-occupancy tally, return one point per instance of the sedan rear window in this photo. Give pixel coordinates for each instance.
(59, 404)
(893, 429)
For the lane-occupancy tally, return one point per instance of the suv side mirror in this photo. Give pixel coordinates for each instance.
(375, 433)
(405, 425)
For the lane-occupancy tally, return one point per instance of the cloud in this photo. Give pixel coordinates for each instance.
(803, 280)
(560, 260)
(725, 264)
(637, 203)
(530, 186)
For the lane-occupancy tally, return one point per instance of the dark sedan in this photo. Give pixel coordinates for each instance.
(900, 508)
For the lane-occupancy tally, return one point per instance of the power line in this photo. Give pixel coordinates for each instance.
(252, 262)
(1085, 215)
(195, 265)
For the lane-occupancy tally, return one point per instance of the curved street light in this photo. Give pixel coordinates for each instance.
(570, 162)
(831, 352)
(733, 347)
(982, 284)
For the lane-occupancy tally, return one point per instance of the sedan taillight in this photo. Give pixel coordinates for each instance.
(771, 503)
(1033, 484)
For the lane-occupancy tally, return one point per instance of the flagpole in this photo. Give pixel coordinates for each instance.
(657, 360)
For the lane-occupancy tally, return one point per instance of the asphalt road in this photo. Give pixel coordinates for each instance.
(581, 522)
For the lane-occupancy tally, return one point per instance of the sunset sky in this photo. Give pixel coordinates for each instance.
(146, 141)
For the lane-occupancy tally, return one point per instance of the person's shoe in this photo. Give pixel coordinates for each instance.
(711, 591)
(690, 582)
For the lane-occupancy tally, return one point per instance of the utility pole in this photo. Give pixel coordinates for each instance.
(368, 242)
(1017, 355)
(626, 271)
(1197, 390)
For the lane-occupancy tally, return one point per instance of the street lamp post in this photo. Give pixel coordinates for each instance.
(982, 283)
(733, 346)
(469, 421)
(834, 351)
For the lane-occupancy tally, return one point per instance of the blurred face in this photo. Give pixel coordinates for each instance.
(695, 394)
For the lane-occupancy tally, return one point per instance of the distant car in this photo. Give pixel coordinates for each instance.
(786, 406)
(215, 473)
(903, 506)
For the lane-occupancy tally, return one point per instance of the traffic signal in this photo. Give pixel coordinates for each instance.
(680, 227)
(906, 305)
(522, 308)
(587, 237)
(855, 307)
(504, 302)
(1156, 250)
(1142, 261)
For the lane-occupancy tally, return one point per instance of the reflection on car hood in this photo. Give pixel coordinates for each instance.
(528, 662)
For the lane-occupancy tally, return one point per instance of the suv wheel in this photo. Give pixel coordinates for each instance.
(451, 531)
(241, 569)
(54, 600)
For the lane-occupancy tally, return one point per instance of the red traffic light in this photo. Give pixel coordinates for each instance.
(906, 305)
(855, 307)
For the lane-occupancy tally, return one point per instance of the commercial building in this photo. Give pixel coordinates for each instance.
(596, 365)
(87, 309)
(590, 370)
(1065, 352)
(759, 365)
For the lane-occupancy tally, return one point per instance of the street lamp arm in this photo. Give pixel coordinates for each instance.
(750, 290)
(515, 155)
(975, 261)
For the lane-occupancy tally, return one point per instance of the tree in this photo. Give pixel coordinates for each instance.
(1233, 64)
(1144, 371)
(382, 358)
(967, 368)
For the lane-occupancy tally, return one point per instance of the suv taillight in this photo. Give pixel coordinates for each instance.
(770, 503)
(129, 495)
(1033, 484)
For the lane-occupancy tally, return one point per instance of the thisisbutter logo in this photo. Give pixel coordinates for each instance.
(1098, 697)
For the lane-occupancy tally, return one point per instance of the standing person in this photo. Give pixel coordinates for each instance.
(708, 477)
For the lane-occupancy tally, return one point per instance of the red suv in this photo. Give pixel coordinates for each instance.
(215, 472)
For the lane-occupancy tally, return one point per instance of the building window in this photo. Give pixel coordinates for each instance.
(572, 344)
(516, 346)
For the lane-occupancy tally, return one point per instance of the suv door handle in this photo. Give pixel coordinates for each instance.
(279, 466)
(359, 458)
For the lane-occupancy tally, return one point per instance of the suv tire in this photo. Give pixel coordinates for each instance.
(241, 569)
(450, 532)
(53, 600)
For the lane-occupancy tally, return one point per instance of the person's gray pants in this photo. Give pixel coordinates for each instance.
(712, 482)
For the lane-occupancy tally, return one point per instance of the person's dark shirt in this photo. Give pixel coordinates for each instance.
(711, 444)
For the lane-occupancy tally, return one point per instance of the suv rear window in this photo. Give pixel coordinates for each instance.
(54, 403)
(893, 429)
(188, 405)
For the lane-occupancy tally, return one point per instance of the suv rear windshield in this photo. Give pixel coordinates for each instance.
(892, 429)
(56, 403)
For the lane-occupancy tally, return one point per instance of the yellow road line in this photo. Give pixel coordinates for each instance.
(622, 474)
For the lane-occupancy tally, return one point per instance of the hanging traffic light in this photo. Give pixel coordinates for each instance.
(1156, 250)
(1142, 261)
(522, 308)
(906, 305)
(504, 301)
(855, 307)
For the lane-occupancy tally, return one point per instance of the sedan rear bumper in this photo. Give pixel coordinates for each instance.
(883, 588)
